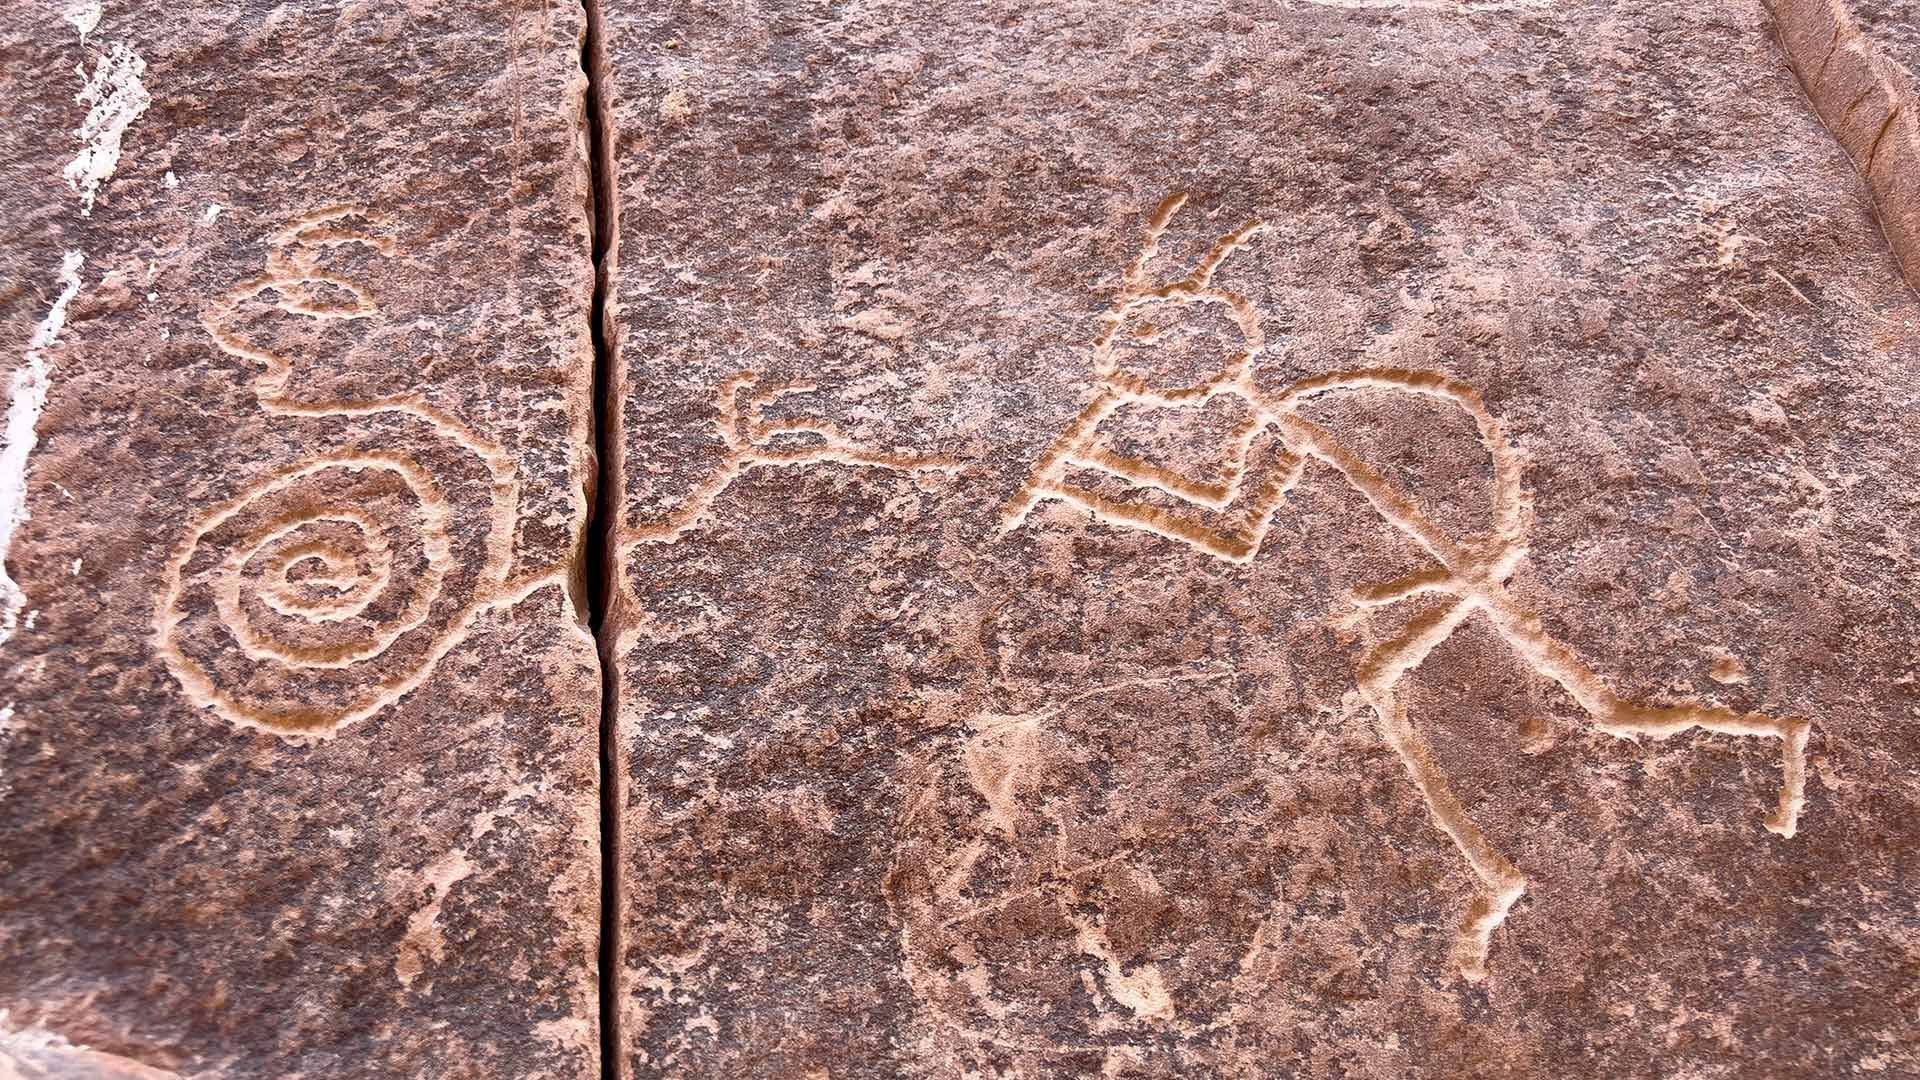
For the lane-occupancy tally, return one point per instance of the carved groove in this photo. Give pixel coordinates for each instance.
(1472, 573)
(1866, 101)
(243, 625)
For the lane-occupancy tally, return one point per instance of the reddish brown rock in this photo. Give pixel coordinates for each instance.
(298, 768)
(1100, 484)
(1858, 75)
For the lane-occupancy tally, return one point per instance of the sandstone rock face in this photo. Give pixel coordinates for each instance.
(1313, 539)
(1332, 538)
(298, 762)
(1857, 69)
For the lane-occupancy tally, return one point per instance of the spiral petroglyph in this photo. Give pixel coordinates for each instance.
(323, 592)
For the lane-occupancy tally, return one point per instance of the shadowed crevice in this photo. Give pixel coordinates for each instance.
(604, 207)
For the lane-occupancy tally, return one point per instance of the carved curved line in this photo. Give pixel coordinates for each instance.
(1840, 70)
(743, 432)
(323, 723)
(1473, 574)
(270, 388)
(353, 589)
(290, 271)
(434, 513)
(1509, 503)
(1235, 547)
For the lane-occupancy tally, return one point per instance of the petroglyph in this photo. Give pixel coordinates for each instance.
(754, 441)
(1469, 574)
(326, 591)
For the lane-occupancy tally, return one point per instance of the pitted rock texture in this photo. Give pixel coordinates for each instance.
(298, 763)
(1856, 65)
(1314, 539)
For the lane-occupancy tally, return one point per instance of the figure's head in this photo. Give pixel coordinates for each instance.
(1183, 337)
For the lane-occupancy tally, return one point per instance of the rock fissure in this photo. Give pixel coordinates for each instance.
(604, 211)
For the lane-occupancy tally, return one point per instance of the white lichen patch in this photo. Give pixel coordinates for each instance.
(115, 98)
(6, 735)
(28, 396)
(84, 15)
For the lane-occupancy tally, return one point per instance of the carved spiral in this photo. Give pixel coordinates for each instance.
(324, 592)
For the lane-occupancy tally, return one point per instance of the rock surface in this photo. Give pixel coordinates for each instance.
(1333, 538)
(1856, 67)
(1101, 483)
(298, 764)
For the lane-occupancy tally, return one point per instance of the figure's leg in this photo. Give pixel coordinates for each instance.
(1615, 716)
(1380, 672)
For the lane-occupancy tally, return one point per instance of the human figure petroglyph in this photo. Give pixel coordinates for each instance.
(326, 591)
(1469, 576)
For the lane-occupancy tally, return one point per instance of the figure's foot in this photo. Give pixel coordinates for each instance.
(1785, 818)
(1484, 915)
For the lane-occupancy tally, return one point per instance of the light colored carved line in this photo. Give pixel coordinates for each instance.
(435, 512)
(743, 432)
(1240, 311)
(291, 272)
(1398, 508)
(1378, 675)
(1120, 389)
(1042, 482)
(1212, 495)
(1418, 583)
(1134, 280)
(1841, 70)
(1626, 719)
(1478, 584)
(1481, 580)
(322, 723)
(1502, 883)
(1509, 502)
(1232, 547)
(1196, 287)
(352, 590)
(317, 229)
(1473, 574)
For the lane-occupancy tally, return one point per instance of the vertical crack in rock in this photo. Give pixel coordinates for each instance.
(604, 207)
(1861, 97)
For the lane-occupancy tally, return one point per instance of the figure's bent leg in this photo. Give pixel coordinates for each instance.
(1615, 716)
(1501, 882)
